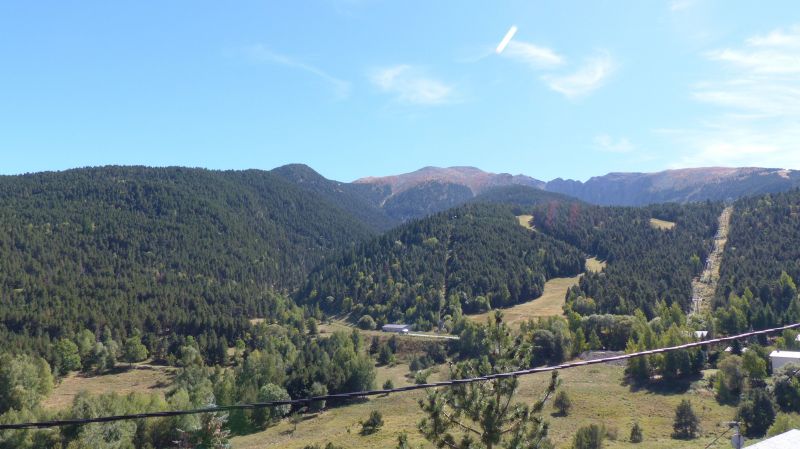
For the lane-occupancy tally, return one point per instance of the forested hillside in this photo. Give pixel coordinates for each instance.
(761, 263)
(645, 264)
(359, 200)
(425, 199)
(521, 196)
(159, 249)
(463, 260)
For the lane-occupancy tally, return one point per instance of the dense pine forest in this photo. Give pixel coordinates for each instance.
(464, 260)
(646, 265)
(762, 263)
(162, 250)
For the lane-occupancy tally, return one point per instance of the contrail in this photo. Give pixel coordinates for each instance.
(506, 39)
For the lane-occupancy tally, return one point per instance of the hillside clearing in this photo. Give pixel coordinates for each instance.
(597, 392)
(663, 225)
(595, 265)
(551, 302)
(142, 379)
(525, 221)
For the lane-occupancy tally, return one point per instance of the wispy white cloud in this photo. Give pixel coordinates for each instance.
(536, 56)
(588, 77)
(261, 53)
(756, 96)
(777, 38)
(411, 85)
(680, 5)
(604, 142)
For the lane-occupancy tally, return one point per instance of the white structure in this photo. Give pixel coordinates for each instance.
(398, 328)
(786, 440)
(779, 358)
(700, 335)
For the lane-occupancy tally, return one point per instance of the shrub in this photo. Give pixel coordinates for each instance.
(366, 322)
(589, 437)
(562, 403)
(421, 377)
(637, 436)
(757, 413)
(686, 424)
(372, 424)
(317, 389)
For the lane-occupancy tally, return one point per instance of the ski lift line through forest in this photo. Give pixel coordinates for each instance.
(359, 394)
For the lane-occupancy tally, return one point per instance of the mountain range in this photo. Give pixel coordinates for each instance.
(191, 250)
(617, 189)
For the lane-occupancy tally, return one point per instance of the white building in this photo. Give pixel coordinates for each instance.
(786, 440)
(399, 328)
(779, 358)
(700, 335)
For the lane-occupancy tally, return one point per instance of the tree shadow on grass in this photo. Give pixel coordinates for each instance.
(664, 387)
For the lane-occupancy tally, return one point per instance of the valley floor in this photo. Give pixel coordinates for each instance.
(598, 395)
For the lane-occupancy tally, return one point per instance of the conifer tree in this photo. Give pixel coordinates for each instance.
(483, 413)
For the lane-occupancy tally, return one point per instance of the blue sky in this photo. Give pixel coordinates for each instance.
(367, 87)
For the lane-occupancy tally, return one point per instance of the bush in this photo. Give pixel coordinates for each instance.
(385, 355)
(562, 403)
(388, 385)
(372, 424)
(589, 437)
(637, 436)
(686, 424)
(787, 389)
(317, 389)
(264, 416)
(730, 379)
(329, 445)
(784, 422)
(757, 413)
(421, 362)
(366, 322)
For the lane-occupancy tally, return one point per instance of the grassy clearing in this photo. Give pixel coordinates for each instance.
(525, 221)
(341, 425)
(597, 392)
(661, 224)
(595, 265)
(142, 379)
(549, 304)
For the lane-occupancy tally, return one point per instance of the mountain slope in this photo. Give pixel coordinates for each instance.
(684, 185)
(358, 200)
(521, 196)
(761, 263)
(433, 189)
(645, 264)
(477, 180)
(156, 248)
(464, 259)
